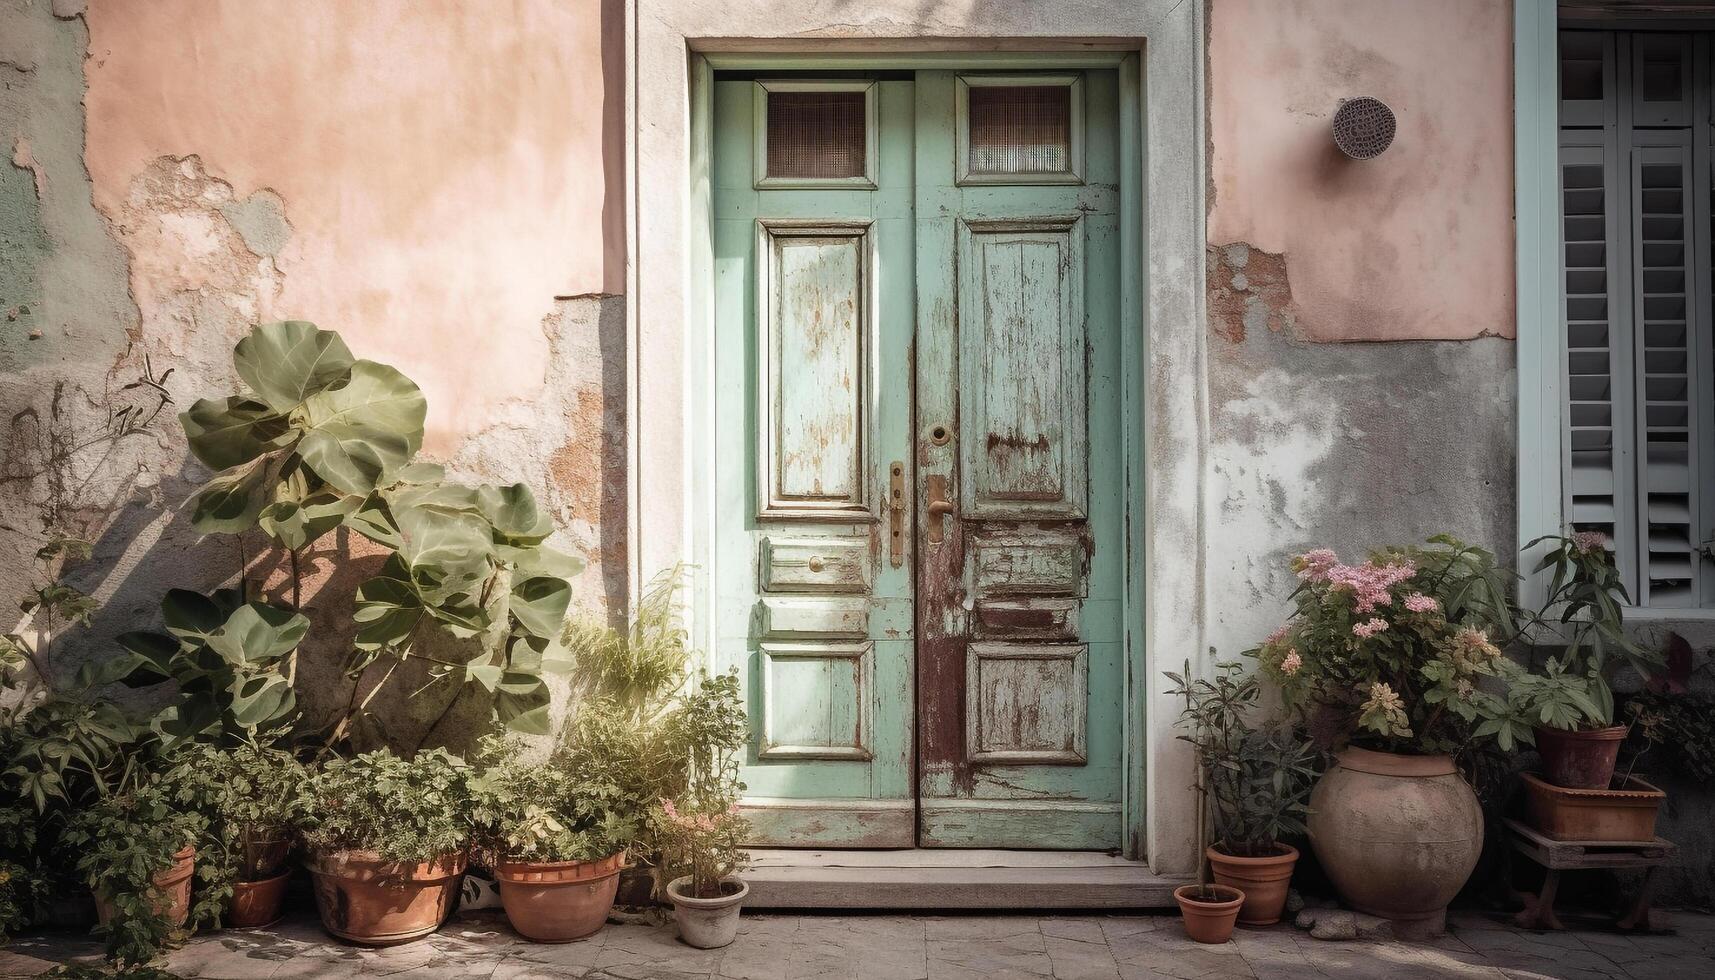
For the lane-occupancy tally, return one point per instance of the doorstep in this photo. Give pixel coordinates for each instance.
(782, 878)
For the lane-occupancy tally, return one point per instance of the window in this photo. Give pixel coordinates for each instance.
(813, 134)
(1020, 129)
(1638, 461)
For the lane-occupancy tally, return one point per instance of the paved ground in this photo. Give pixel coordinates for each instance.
(897, 947)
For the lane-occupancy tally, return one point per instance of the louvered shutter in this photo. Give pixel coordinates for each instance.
(1598, 448)
(1670, 388)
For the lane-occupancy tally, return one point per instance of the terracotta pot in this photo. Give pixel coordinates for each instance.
(257, 903)
(1581, 759)
(1606, 815)
(1264, 881)
(558, 901)
(374, 902)
(1397, 834)
(1209, 920)
(707, 923)
(264, 857)
(174, 885)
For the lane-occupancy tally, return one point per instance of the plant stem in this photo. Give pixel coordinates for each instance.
(351, 711)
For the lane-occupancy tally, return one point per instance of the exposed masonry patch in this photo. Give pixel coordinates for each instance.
(260, 220)
(1248, 292)
(25, 159)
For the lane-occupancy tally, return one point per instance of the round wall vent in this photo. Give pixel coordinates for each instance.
(1364, 127)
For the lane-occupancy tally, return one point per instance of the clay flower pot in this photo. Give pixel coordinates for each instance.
(365, 899)
(1619, 816)
(1263, 880)
(1580, 759)
(257, 903)
(1209, 911)
(707, 923)
(264, 857)
(1397, 834)
(558, 901)
(174, 885)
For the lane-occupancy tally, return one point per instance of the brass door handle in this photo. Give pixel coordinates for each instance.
(939, 507)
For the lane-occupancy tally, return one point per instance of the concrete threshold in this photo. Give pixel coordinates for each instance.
(782, 878)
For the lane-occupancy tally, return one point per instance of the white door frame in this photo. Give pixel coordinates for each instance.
(670, 275)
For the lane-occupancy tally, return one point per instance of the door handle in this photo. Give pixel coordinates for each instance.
(939, 507)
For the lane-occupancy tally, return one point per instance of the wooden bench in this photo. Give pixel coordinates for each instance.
(1556, 856)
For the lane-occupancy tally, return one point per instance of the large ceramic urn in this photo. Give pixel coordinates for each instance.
(1397, 834)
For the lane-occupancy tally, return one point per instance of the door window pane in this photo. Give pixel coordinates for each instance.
(1020, 129)
(816, 134)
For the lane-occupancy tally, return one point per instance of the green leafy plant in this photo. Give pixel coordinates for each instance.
(319, 440)
(700, 831)
(529, 809)
(1582, 621)
(1255, 782)
(50, 605)
(406, 809)
(1388, 653)
(227, 658)
(124, 841)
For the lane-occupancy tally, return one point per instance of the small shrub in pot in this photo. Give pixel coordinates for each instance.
(387, 840)
(556, 846)
(1254, 782)
(701, 832)
(137, 852)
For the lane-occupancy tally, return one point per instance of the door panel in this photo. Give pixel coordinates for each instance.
(813, 309)
(916, 453)
(1018, 654)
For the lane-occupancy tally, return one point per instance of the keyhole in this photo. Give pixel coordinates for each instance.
(938, 435)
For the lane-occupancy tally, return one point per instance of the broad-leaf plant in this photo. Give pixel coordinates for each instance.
(319, 439)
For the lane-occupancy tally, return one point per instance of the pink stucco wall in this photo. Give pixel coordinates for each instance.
(1415, 244)
(447, 168)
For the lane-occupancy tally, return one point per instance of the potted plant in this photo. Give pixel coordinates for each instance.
(1382, 660)
(137, 853)
(1209, 911)
(387, 839)
(701, 832)
(1254, 784)
(1569, 704)
(258, 805)
(555, 847)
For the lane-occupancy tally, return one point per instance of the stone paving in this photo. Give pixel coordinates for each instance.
(916, 947)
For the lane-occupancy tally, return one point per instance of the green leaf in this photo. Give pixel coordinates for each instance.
(229, 503)
(259, 700)
(513, 512)
(151, 657)
(540, 560)
(388, 607)
(364, 428)
(257, 634)
(228, 431)
(539, 604)
(521, 702)
(285, 363)
(295, 524)
(448, 552)
(194, 617)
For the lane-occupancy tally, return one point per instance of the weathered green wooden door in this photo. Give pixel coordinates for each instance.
(1019, 654)
(918, 560)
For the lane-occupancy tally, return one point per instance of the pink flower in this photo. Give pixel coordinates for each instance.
(1417, 602)
(1290, 663)
(1369, 583)
(1369, 627)
(1278, 635)
(1588, 541)
(1312, 566)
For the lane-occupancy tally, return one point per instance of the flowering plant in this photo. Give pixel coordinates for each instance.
(1388, 653)
(702, 841)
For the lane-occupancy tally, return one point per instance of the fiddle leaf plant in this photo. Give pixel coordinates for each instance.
(227, 657)
(320, 439)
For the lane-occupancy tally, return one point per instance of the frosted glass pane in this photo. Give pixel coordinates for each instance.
(1021, 129)
(816, 134)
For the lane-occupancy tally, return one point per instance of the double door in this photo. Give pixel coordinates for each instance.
(918, 518)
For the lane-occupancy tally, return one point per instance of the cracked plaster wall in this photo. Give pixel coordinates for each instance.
(1361, 372)
(438, 181)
